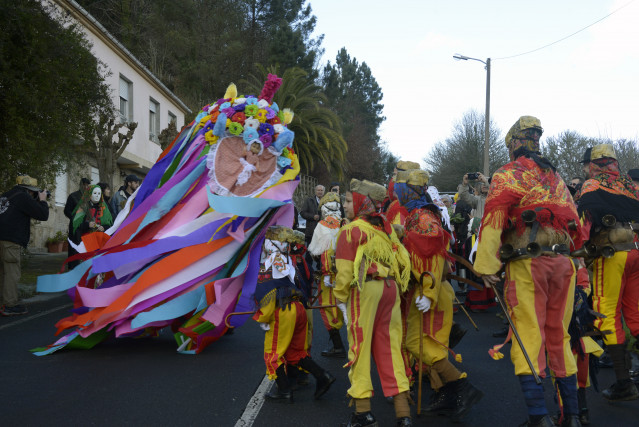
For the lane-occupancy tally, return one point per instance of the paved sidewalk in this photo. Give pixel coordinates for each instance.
(36, 264)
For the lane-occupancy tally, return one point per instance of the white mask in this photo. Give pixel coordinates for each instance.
(96, 195)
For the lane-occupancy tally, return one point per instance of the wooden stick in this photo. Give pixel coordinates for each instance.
(421, 354)
(466, 313)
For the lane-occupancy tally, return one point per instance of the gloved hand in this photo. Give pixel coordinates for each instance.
(423, 303)
(342, 307)
(327, 282)
(265, 326)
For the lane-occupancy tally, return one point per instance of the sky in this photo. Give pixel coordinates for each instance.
(587, 83)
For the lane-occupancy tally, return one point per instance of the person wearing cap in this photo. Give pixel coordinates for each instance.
(539, 286)
(431, 298)
(72, 202)
(395, 212)
(323, 246)
(118, 201)
(373, 268)
(17, 206)
(609, 207)
(282, 315)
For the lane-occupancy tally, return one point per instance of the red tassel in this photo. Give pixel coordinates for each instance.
(271, 86)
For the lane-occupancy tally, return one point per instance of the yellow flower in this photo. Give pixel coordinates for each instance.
(288, 116)
(210, 138)
(261, 116)
(205, 119)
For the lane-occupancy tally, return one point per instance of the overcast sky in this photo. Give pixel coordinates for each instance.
(588, 83)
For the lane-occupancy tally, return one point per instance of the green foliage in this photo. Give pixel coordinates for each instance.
(463, 152)
(51, 87)
(354, 94)
(57, 237)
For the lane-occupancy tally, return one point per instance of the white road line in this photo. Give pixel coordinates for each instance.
(255, 404)
(35, 316)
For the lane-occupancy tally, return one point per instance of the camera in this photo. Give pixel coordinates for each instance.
(473, 176)
(35, 196)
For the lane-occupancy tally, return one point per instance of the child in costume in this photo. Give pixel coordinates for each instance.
(431, 297)
(323, 246)
(372, 269)
(283, 317)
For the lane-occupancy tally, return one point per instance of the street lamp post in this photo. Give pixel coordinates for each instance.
(487, 115)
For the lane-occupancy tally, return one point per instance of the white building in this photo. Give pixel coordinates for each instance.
(141, 97)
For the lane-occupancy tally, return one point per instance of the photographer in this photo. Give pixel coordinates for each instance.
(17, 206)
(476, 202)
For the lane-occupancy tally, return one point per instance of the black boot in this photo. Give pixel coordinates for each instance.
(584, 418)
(283, 392)
(546, 421)
(442, 402)
(467, 396)
(456, 334)
(621, 390)
(338, 347)
(323, 378)
(365, 419)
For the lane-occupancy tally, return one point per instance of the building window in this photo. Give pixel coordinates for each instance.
(61, 189)
(172, 118)
(126, 100)
(154, 120)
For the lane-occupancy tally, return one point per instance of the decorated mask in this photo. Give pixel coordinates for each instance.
(96, 195)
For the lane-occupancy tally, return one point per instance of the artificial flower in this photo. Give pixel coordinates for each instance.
(229, 111)
(250, 134)
(239, 100)
(266, 128)
(251, 100)
(205, 119)
(225, 105)
(239, 107)
(239, 117)
(275, 107)
(251, 109)
(261, 116)
(287, 116)
(262, 103)
(275, 120)
(282, 162)
(252, 123)
(270, 113)
(279, 128)
(266, 139)
(235, 128)
(220, 125)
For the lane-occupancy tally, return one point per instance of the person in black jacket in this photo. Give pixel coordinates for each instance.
(72, 203)
(17, 206)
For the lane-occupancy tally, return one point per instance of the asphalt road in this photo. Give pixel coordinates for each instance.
(145, 382)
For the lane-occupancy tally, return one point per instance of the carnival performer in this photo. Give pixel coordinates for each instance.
(609, 205)
(185, 250)
(91, 215)
(529, 207)
(323, 246)
(283, 317)
(372, 269)
(431, 298)
(581, 344)
(395, 212)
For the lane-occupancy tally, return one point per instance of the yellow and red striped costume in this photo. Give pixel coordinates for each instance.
(539, 291)
(372, 267)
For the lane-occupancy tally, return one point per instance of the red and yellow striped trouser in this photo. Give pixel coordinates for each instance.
(286, 340)
(437, 323)
(332, 317)
(539, 293)
(615, 290)
(375, 328)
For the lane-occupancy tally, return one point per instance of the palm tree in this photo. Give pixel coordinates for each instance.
(318, 132)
